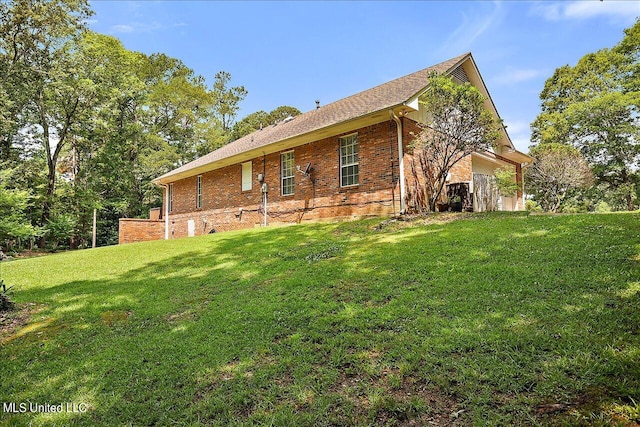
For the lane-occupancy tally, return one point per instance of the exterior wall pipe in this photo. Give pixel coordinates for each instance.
(166, 210)
(400, 161)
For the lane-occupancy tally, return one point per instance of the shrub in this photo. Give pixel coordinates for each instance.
(60, 229)
(5, 301)
(603, 207)
(532, 206)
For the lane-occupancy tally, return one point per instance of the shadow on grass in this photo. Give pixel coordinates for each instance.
(471, 322)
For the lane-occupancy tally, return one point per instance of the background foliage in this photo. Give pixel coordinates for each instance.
(86, 123)
(593, 106)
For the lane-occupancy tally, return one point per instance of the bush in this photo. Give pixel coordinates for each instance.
(5, 301)
(532, 206)
(603, 207)
(59, 229)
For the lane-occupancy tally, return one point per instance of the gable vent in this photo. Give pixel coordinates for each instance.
(459, 75)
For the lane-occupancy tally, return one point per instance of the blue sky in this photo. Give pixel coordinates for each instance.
(292, 53)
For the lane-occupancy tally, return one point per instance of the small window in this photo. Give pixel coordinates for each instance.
(199, 192)
(287, 173)
(247, 171)
(170, 197)
(349, 160)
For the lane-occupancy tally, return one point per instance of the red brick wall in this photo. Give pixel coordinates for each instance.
(225, 206)
(139, 230)
(462, 171)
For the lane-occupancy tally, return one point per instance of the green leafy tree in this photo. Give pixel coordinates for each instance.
(14, 222)
(557, 170)
(32, 34)
(60, 229)
(260, 119)
(593, 106)
(505, 177)
(283, 112)
(88, 124)
(226, 100)
(459, 125)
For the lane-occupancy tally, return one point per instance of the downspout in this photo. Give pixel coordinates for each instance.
(522, 166)
(400, 161)
(166, 210)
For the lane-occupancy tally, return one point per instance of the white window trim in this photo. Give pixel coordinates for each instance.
(199, 192)
(250, 177)
(342, 166)
(282, 177)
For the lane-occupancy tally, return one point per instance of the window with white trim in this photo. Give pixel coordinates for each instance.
(199, 192)
(170, 197)
(349, 160)
(247, 171)
(286, 160)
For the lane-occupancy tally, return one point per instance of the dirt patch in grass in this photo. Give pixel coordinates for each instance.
(11, 321)
(112, 318)
(398, 223)
(590, 408)
(392, 399)
(182, 316)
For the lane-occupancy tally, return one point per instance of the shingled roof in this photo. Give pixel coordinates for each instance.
(380, 98)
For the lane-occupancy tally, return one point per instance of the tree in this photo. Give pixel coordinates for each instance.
(226, 99)
(505, 177)
(593, 106)
(459, 125)
(282, 112)
(41, 79)
(88, 124)
(32, 32)
(259, 119)
(14, 223)
(558, 169)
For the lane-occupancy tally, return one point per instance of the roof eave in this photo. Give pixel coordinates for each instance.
(334, 129)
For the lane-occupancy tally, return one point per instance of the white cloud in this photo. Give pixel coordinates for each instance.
(515, 75)
(627, 11)
(122, 29)
(143, 27)
(471, 28)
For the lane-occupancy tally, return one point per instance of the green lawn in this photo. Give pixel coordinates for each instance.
(494, 319)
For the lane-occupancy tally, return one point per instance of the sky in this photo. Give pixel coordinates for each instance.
(294, 52)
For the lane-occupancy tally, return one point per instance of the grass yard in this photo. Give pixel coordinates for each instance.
(499, 319)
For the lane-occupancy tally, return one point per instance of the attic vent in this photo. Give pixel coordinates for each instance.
(459, 75)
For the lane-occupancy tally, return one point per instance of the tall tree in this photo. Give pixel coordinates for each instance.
(41, 79)
(226, 100)
(32, 36)
(459, 125)
(594, 107)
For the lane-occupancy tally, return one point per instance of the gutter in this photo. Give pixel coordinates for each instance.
(400, 161)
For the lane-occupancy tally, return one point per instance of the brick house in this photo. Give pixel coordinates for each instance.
(350, 158)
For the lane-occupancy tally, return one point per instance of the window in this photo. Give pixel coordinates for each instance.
(247, 170)
(349, 160)
(199, 192)
(170, 197)
(286, 159)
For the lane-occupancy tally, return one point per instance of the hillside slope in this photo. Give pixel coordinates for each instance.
(488, 320)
